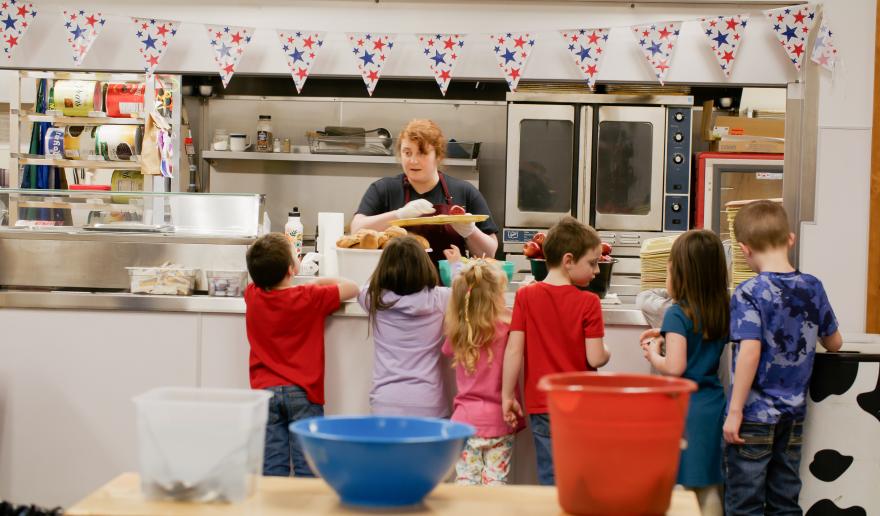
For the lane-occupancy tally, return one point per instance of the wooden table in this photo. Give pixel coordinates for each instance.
(277, 496)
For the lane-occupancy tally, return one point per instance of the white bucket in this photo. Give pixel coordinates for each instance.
(201, 444)
(357, 264)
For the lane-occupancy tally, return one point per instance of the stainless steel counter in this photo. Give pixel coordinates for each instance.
(620, 315)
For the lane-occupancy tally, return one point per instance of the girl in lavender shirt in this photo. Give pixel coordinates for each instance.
(406, 308)
(477, 324)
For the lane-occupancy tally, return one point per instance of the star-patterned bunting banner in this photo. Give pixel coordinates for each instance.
(229, 44)
(82, 29)
(587, 46)
(371, 51)
(17, 18)
(301, 48)
(443, 52)
(792, 27)
(153, 38)
(824, 52)
(512, 51)
(658, 42)
(725, 33)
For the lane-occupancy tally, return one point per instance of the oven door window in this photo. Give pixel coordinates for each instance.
(623, 168)
(546, 165)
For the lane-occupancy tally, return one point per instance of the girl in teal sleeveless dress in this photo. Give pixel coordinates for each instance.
(694, 332)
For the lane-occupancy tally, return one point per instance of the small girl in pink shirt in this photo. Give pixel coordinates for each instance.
(476, 325)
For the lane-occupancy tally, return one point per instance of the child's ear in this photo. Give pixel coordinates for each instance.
(567, 259)
(745, 249)
(791, 240)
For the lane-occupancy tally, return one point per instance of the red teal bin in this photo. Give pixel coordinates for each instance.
(616, 440)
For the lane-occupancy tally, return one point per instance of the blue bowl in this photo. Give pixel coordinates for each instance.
(377, 461)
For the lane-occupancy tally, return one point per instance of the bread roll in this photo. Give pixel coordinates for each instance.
(395, 231)
(369, 239)
(422, 240)
(347, 241)
(383, 240)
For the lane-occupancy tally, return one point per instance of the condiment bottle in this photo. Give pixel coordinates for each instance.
(285, 145)
(264, 134)
(276, 145)
(294, 230)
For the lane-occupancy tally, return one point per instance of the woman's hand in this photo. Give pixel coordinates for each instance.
(453, 254)
(464, 229)
(416, 208)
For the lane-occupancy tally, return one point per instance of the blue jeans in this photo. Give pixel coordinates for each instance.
(761, 476)
(287, 404)
(540, 424)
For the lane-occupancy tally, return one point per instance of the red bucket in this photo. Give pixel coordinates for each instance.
(616, 440)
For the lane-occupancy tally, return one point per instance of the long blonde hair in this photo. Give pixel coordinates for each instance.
(476, 305)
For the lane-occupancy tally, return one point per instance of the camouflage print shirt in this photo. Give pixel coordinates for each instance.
(787, 312)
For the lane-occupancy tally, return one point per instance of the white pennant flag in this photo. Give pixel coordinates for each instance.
(228, 44)
(82, 29)
(658, 42)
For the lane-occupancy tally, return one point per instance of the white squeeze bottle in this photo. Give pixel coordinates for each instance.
(294, 230)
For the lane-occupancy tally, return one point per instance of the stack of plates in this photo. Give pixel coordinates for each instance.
(739, 269)
(654, 256)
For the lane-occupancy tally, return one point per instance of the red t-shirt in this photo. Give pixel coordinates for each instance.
(285, 329)
(556, 319)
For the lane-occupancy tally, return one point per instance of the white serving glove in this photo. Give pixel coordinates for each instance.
(465, 228)
(415, 208)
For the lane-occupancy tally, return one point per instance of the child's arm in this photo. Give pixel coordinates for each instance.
(746, 366)
(832, 342)
(347, 288)
(675, 361)
(597, 352)
(513, 358)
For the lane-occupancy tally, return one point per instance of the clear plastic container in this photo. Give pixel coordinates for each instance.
(169, 281)
(203, 445)
(229, 283)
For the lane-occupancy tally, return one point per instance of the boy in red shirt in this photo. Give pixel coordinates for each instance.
(285, 328)
(558, 327)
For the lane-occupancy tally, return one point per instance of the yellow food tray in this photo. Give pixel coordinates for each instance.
(439, 220)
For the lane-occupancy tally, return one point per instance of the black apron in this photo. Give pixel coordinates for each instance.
(440, 237)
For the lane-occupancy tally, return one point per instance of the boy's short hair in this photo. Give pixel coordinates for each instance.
(569, 236)
(762, 225)
(269, 259)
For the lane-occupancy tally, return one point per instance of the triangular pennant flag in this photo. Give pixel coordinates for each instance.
(587, 46)
(725, 33)
(824, 52)
(792, 27)
(371, 51)
(229, 44)
(301, 48)
(82, 29)
(153, 38)
(658, 42)
(443, 52)
(17, 17)
(512, 51)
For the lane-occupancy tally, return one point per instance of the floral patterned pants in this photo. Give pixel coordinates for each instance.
(484, 461)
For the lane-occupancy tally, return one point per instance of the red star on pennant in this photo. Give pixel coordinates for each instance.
(799, 17)
(164, 43)
(91, 20)
(302, 73)
(153, 60)
(664, 33)
(430, 42)
(373, 76)
(798, 49)
(731, 24)
(12, 41)
(360, 42)
(449, 44)
(514, 73)
(308, 42)
(592, 70)
(574, 38)
(454, 56)
(713, 23)
(661, 65)
(519, 42)
(73, 16)
(311, 55)
(594, 38)
(599, 50)
(780, 18)
(736, 37)
(290, 39)
(728, 56)
(500, 40)
(22, 11)
(444, 75)
(379, 45)
(4, 5)
(236, 38)
(161, 31)
(216, 36)
(646, 34)
(229, 69)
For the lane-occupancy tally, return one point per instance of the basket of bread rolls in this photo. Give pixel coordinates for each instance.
(358, 253)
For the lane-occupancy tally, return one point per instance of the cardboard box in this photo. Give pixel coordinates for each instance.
(742, 126)
(745, 144)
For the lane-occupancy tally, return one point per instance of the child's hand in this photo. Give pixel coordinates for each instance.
(453, 254)
(511, 410)
(649, 334)
(731, 428)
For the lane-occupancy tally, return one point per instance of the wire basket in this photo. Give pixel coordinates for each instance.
(351, 144)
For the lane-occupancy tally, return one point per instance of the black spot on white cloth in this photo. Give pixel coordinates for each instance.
(870, 401)
(832, 377)
(828, 465)
(827, 508)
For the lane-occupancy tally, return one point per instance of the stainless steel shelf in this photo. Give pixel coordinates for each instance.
(320, 158)
(84, 76)
(35, 159)
(79, 120)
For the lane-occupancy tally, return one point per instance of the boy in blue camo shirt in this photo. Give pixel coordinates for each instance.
(776, 318)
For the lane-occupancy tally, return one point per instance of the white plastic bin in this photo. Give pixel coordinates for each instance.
(202, 445)
(169, 281)
(357, 264)
(226, 283)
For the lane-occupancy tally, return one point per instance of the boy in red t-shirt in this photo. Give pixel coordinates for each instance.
(558, 327)
(285, 328)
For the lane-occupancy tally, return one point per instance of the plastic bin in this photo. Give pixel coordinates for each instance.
(169, 281)
(616, 440)
(357, 264)
(226, 283)
(201, 445)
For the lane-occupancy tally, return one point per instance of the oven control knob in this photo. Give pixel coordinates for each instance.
(678, 159)
(678, 137)
(676, 207)
(679, 116)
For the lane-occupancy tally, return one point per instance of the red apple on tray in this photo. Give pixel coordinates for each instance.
(457, 210)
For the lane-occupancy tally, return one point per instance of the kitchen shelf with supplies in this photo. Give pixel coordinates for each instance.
(76, 120)
(302, 154)
(39, 159)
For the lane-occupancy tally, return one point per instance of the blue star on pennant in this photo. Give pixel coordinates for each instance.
(789, 33)
(655, 48)
(439, 58)
(584, 53)
(149, 42)
(508, 56)
(296, 55)
(367, 58)
(721, 39)
(77, 32)
(10, 22)
(224, 50)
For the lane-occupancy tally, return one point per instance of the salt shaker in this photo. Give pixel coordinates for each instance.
(285, 145)
(276, 145)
